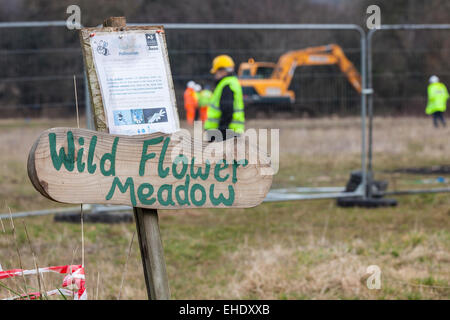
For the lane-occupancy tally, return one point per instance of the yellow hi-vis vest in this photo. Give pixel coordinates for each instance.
(204, 97)
(437, 98)
(214, 113)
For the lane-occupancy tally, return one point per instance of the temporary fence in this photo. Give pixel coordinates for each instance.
(191, 48)
(38, 61)
(400, 60)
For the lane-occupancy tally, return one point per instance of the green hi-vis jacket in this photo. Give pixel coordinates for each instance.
(437, 98)
(214, 113)
(204, 97)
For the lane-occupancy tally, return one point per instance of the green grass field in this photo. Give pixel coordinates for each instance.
(287, 250)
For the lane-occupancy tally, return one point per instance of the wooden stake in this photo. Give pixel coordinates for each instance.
(115, 22)
(81, 205)
(147, 225)
(152, 253)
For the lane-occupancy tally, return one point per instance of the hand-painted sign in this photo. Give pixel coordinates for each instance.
(150, 171)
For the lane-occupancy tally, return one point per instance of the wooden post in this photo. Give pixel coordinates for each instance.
(152, 253)
(149, 237)
(116, 22)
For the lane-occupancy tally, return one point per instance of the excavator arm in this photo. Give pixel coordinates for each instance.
(331, 54)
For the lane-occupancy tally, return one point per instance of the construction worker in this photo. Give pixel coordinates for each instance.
(437, 100)
(226, 108)
(204, 99)
(190, 102)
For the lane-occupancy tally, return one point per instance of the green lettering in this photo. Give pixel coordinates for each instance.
(185, 188)
(62, 158)
(219, 168)
(168, 200)
(221, 198)
(123, 188)
(112, 159)
(145, 156)
(144, 196)
(180, 158)
(204, 175)
(236, 164)
(80, 163)
(163, 172)
(90, 166)
(202, 201)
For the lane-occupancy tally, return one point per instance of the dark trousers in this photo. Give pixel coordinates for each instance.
(438, 116)
(197, 113)
(219, 135)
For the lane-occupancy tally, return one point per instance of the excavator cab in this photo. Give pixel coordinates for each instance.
(256, 70)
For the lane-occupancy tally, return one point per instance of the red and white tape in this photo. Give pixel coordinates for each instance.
(74, 281)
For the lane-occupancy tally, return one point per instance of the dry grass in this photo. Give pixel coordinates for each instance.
(339, 272)
(294, 250)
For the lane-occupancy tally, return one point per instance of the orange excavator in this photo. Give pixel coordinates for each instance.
(268, 83)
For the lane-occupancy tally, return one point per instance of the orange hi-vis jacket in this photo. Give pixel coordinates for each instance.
(190, 104)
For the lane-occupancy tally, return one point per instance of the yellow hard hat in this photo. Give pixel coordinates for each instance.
(222, 61)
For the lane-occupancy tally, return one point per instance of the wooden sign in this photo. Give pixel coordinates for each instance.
(148, 171)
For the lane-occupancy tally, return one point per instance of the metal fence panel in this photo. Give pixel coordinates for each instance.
(401, 58)
(38, 61)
